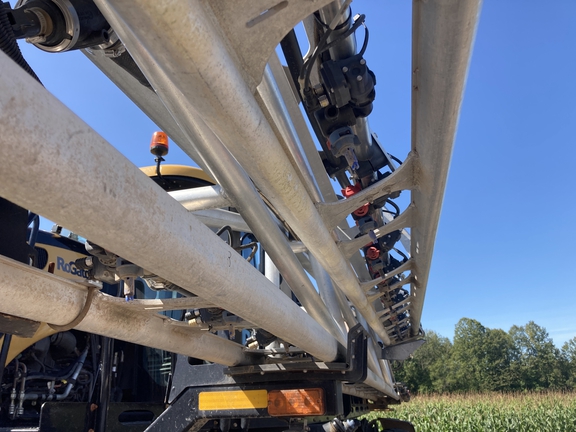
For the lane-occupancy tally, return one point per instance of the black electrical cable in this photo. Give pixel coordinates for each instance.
(395, 159)
(393, 204)
(247, 235)
(355, 26)
(228, 230)
(304, 77)
(402, 254)
(252, 245)
(365, 43)
(303, 81)
(319, 21)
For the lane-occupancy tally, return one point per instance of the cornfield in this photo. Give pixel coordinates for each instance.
(526, 412)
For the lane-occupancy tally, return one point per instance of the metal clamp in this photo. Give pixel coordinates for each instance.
(89, 297)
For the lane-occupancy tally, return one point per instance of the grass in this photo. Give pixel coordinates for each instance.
(499, 412)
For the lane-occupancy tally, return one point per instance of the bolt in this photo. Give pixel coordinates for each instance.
(362, 62)
(93, 407)
(344, 69)
(359, 78)
(331, 89)
(318, 89)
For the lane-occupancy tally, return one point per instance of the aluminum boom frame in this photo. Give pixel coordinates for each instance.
(262, 157)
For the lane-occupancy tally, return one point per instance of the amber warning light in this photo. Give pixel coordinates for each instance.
(301, 402)
(159, 144)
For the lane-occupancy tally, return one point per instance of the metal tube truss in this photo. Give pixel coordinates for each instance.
(207, 76)
(276, 107)
(202, 198)
(219, 90)
(224, 82)
(442, 38)
(141, 223)
(39, 296)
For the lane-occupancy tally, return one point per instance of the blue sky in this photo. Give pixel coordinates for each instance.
(505, 250)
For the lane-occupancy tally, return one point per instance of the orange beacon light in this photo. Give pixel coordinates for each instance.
(159, 148)
(159, 144)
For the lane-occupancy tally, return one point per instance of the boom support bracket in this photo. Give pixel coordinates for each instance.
(354, 369)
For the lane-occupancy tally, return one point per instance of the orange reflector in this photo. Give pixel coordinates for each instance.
(304, 402)
(229, 400)
(159, 144)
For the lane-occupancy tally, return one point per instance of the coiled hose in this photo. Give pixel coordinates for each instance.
(8, 42)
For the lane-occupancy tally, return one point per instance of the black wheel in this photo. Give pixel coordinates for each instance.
(390, 425)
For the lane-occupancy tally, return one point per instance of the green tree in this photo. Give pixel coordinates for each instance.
(569, 355)
(484, 359)
(426, 370)
(466, 365)
(538, 365)
(481, 358)
(499, 354)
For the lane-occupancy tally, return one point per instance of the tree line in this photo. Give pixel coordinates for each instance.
(484, 359)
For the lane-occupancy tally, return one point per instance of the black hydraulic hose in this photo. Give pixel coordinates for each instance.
(106, 356)
(293, 56)
(77, 368)
(8, 42)
(4, 353)
(66, 373)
